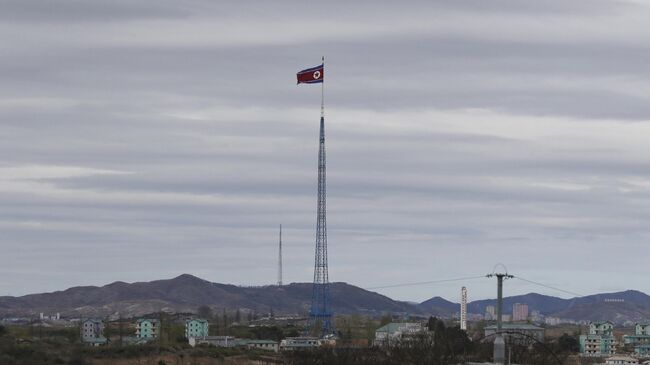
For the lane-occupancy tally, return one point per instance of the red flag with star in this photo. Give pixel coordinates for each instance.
(312, 75)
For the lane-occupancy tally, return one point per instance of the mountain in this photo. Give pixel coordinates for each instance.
(543, 303)
(439, 306)
(617, 312)
(619, 307)
(186, 293)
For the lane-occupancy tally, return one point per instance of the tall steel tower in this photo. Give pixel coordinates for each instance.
(280, 259)
(320, 299)
(320, 312)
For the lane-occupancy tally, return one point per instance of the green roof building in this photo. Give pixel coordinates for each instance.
(197, 328)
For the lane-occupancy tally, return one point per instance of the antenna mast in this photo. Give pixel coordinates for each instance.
(280, 259)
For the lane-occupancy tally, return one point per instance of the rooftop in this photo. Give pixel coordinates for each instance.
(515, 326)
(397, 326)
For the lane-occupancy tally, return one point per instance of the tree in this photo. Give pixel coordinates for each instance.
(385, 319)
(225, 321)
(568, 343)
(431, 323)
(238, 316)
(204, 312)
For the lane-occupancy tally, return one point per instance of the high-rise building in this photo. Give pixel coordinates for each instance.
(490, 313)
(519, 312)
(463, 308)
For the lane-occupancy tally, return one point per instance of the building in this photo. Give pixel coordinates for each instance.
(196, 328)
(299, 343)
(520, 312)
(395, 332)
(553, 321)
(229, 341)
(640, 339)
(621, 360)
(147, 328)
(92, 332)
(490, 313)
(600, 341)
(266, 345)
(218, 341)
(463, 308)
(536, 316)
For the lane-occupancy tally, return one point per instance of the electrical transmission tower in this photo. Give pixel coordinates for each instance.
(320, 300)
(499, 342)
(280, 259)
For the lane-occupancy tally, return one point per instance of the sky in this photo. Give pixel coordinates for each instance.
(146, 139)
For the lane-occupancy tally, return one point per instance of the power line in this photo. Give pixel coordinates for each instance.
(425, 282)
(549, 287)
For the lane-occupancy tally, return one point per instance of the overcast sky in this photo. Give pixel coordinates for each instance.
(146, 139)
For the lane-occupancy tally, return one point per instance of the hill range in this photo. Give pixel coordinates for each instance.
(186, 293)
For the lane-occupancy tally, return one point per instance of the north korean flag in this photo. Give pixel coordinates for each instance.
(312, 75)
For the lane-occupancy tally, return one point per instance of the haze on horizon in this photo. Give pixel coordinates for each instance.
(146, 139)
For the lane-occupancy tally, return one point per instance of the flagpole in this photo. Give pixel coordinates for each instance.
(322, 92)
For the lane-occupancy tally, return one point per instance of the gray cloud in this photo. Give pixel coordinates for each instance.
(144, 139)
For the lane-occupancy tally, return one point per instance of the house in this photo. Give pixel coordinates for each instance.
(600, 341)
(640, 339)
(266, 345)
(92, 332)
(519, 333)
(147, 328)
(218, 341)
(196, 328)
(299, 343)
(621, 360)
(394, 332)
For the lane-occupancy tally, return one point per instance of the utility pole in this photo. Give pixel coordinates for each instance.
(499, 342)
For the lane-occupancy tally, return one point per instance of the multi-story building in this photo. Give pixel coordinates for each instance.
(92, 332)
(640, 339)
(490, 313)
(600, 341)
(147, 328)
(394, 332)
(196, 328)
(519, 312)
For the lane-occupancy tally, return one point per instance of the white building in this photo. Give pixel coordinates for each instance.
(92, 332)
(298, 343)
(519, 312)
(394, 332)
(218, 341)
(266, 345)
(621, 360)
(490, 313)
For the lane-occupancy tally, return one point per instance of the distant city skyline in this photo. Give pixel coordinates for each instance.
(146, 139)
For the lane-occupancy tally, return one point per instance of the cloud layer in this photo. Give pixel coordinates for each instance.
(146, 139)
